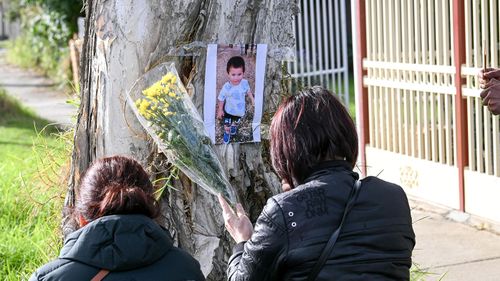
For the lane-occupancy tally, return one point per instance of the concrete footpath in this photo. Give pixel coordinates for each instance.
(458, 250)
(37, 93)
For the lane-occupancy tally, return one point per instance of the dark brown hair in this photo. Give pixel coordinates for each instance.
(308, 128)
(116, 185)
(235, 62)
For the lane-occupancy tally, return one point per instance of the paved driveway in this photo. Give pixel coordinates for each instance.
(456, 249)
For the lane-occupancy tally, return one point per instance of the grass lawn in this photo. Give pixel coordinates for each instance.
(352, 98)
(32, 187)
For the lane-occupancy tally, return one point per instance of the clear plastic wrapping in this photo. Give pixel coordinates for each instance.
(165, 110)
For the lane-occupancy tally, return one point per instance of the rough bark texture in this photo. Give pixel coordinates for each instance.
(126, 38)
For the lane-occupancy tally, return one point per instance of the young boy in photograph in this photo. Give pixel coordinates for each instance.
(231, 99)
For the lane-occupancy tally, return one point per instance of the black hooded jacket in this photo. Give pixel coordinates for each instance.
(375, 243)
(131, 247)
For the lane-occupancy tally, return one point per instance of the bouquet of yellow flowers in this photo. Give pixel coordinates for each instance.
(165, 110)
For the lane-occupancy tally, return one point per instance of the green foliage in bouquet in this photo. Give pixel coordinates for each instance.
(167, 113)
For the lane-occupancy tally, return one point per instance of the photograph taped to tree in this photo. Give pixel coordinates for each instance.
(234, 90)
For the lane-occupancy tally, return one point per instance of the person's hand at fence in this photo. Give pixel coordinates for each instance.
(237, 223)
(489, 81)
(491, 95)
(485, 75)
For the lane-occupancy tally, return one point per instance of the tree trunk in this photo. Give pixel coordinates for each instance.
(123, 39)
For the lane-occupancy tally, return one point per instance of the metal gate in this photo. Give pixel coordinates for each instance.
(423, 122)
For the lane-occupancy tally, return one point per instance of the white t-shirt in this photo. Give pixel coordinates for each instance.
(234, 95)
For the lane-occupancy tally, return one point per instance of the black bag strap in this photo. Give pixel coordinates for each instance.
(333, 239)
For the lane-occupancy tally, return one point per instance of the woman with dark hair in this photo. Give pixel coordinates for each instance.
(118, 238)
(326, 225)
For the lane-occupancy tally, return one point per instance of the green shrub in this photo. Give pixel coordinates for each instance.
(20, 53)
(46, 27)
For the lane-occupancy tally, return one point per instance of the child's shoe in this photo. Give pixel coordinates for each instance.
(233, 129)
(226, 138)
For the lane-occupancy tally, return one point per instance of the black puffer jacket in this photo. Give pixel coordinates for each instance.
(375, 244)
(132, 247)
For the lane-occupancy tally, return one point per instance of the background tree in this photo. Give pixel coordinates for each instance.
(124, 39)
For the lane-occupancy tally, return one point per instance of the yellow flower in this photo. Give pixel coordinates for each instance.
(158, 98)
(169, 78)
(143, 107)
(162, 101)
(166, 88)
(165, 79)
(137, 103)
(153, 91)
(157, 89)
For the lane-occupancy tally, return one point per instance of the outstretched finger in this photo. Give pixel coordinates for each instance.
(240, 211)
(494, 107)
(482, 83)
(492, 73)
(226, 209)
(485, 97)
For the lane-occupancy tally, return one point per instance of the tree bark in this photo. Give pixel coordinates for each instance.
(123, 39)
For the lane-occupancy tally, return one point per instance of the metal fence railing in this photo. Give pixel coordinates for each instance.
(411, 90)
(321, 46)
(410, 78)
(422, 121)
(482, 35)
